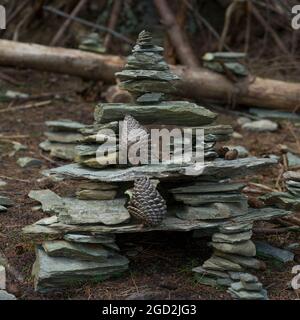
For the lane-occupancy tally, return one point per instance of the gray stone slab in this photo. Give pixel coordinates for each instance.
(4, 295)
(146, 74)
(27, 162)
(221, 264)
(212, 211)
(64, 125)
(217, 169)
(203, 198)
(210, 272)
(86, 252)
(169, 112)
(51, 202)
(246, 262)
(207, 187)
(57, 272)
(236, 228)
(245, 248)
(170, 223)
(232, 238)
(65, 151)
(5, 201)
(248, 295)
(64, 137)
(267, 250)
(292, 175)
(108, 212)
(3, 209)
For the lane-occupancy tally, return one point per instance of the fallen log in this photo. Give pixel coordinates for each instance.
(197, 83)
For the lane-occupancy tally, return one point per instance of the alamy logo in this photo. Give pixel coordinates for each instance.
(180, 147)
(296, 19)
(2, 18)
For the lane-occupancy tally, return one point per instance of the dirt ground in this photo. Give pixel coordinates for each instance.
(160, 262)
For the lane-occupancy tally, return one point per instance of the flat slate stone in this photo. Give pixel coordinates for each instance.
(245, 248)
(266, 250)
(169, 112)
(218, 168)
(247, 277)
(220, 264)
(248, 295)
(293, 160)
(65, 151)
(64, 137)
(236, 228)
(96, 194)
(261, 126)
(246, 262)
(52, 273)
(4, 295)
(212, 211)
(170, 223)
(203, 198)
(292, 175)
(5, 201)
(64, 125)
(255, 286)
(27, 162)
(206, 187)
(3, 209)
(146, 74)
(2, 184)
(108, 212)
(51, 202)
(86, 252)
(107, 240)
(232, 238)
(210, 272)
(2, 278)
(89, 185)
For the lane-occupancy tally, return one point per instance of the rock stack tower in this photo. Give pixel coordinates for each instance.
(146, 75)
(164, 196)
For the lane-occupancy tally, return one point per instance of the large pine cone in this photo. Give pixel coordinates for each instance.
(146, 204)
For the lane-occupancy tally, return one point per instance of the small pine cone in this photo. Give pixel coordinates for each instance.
(146, 203)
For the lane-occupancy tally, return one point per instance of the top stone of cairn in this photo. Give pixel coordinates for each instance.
(146, 75)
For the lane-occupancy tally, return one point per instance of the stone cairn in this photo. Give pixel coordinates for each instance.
(81, 230)
(62, 138)
(289, 200)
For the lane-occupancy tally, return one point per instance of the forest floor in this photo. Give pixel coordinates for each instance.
(161, 263)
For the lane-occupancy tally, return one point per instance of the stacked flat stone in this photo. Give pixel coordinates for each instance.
(289, 200)
(62, 138)
(207, 201)
(77, 259)
(146, 75)
(233, 255)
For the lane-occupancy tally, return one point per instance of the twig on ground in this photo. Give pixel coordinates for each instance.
(27, 106)
(48, 159)
(14, 179)
(9, 79)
